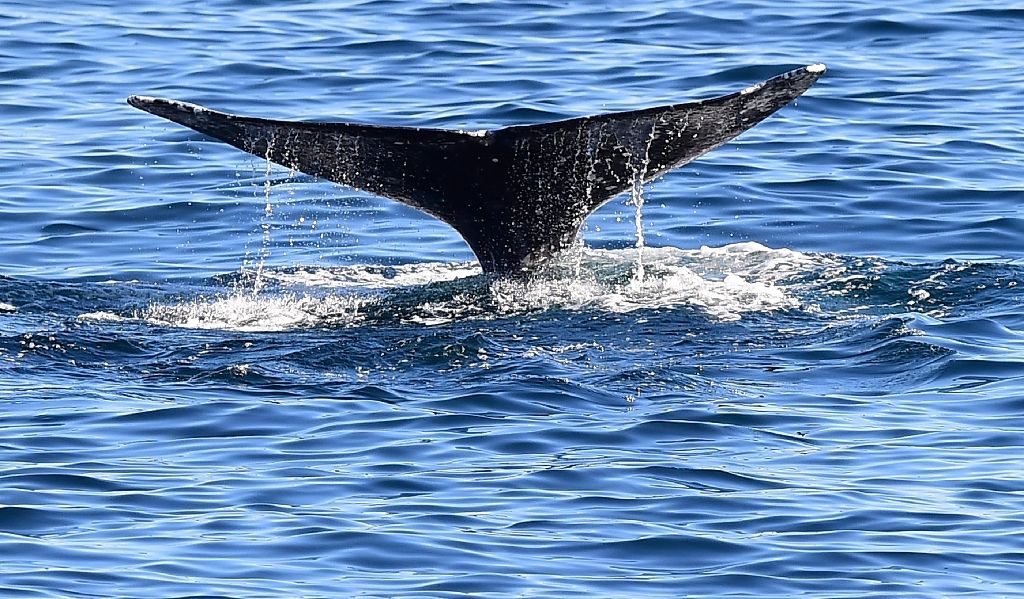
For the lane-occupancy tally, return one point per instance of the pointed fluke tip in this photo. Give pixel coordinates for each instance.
(802, 78)
(168, 109)
(147, 102)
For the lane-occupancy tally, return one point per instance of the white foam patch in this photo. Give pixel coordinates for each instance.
(101, 317)
(725, 283)
(249, 312)
(376, 277)
(7, 308)
(752, 260)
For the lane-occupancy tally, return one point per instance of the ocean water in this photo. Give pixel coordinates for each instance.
(223, 379)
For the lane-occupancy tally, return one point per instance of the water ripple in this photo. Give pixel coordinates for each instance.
(815, 391)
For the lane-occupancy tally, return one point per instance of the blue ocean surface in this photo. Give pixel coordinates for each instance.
(219, 378)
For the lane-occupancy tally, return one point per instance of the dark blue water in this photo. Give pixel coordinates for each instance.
(222, 383)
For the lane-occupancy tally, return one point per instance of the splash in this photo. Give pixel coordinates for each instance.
(241, 311)
(724, 284)
(371, 278)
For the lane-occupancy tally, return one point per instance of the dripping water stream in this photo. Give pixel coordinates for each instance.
(639, 151)
(259, 280)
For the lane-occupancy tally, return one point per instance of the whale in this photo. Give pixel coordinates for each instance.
(517, 195)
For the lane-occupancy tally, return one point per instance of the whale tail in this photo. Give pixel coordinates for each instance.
(519, 194)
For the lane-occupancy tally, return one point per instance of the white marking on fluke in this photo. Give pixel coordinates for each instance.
(751, 89)
(194, 108)
(816, 68)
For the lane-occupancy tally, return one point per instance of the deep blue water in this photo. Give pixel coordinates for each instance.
(219, 383)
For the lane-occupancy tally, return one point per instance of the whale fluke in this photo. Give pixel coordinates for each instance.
(516, 195)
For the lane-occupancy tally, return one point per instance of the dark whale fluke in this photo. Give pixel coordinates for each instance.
(516, 195)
